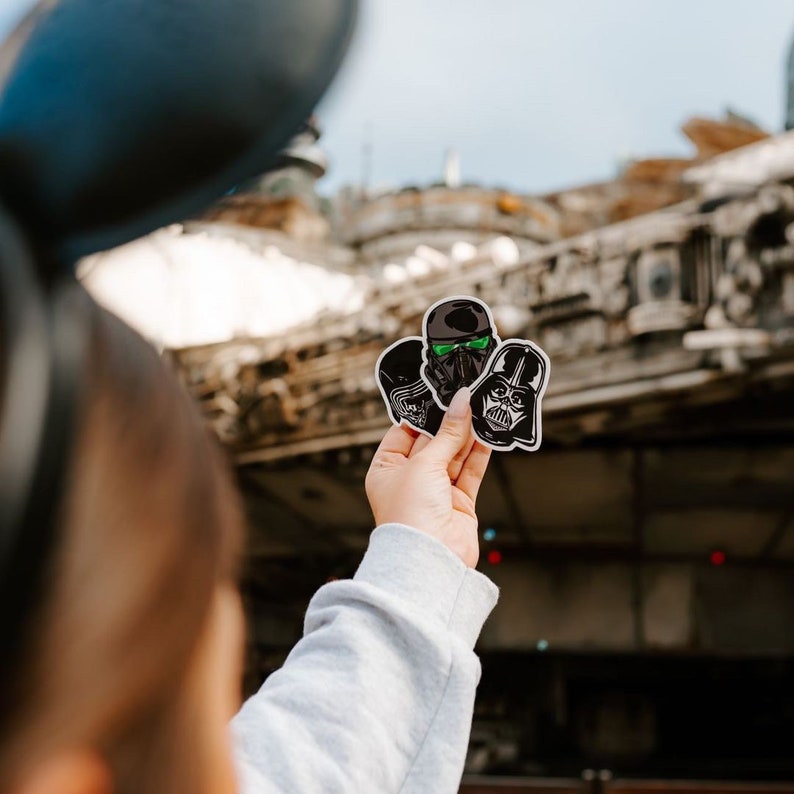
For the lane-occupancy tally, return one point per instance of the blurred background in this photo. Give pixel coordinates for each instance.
(615, 180)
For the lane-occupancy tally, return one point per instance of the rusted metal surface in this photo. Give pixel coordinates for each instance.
(677, 307)
(465, 208)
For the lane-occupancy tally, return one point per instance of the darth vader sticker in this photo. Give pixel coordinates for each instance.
(506, 401)
(459, 337)
(407, 397)
(419, 375)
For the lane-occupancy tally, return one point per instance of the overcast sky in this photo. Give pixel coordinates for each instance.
(541, 94)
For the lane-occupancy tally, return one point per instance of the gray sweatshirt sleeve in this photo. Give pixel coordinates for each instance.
(378, 695)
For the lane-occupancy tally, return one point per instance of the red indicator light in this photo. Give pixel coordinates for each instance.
(717, 558)
(494, 557)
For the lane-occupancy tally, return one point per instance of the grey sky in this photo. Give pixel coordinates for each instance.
(540, 94)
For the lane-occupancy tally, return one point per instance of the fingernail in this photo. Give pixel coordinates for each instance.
(459, 406)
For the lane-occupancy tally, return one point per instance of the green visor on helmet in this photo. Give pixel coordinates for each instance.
(473, 344)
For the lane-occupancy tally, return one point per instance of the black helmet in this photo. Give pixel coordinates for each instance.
(459, 338)
(505, 404)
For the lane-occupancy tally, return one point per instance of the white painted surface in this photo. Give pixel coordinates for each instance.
(182, 290)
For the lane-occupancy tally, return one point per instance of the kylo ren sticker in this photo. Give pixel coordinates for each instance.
(419, 375)
(407, 397)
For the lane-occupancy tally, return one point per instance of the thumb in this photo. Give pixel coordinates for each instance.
(454, 432)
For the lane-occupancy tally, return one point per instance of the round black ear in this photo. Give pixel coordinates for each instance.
(120, 116)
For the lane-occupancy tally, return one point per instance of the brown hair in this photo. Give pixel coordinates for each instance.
(151, 522)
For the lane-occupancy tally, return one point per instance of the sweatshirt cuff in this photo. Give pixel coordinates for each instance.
(421, 571)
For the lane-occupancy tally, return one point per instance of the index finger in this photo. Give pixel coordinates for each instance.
(397, 441)
(473, 470)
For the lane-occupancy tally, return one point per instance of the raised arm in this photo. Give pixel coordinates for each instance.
(378, 695)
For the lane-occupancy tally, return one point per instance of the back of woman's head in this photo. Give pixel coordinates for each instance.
(148, 527)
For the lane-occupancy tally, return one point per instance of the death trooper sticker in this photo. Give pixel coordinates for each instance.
(506, 401)
(408, 398)
(459, 337)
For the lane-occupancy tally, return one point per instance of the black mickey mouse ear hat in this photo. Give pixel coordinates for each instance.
(118, 117)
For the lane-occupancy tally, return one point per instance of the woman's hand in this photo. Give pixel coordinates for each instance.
(431, 484)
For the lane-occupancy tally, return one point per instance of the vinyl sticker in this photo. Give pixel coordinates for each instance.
(459, 337)
(506, 401)
(407, 397)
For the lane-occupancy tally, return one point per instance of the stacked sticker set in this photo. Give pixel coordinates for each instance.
(459, 346)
